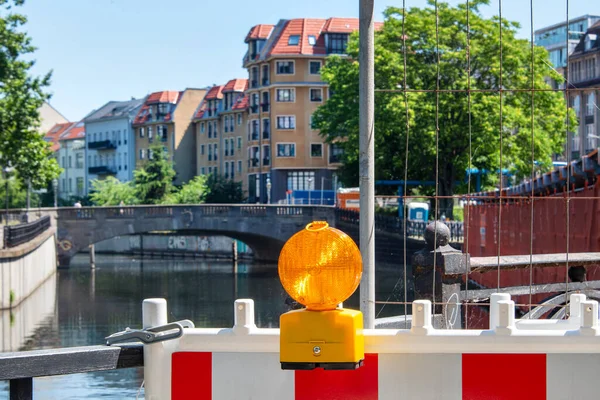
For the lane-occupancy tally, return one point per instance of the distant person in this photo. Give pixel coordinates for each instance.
(77, 204)
(121, 204)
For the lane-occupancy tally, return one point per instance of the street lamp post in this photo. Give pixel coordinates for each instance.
(268, 191)
(55, 189)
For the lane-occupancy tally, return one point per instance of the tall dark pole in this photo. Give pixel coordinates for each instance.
(367, 154)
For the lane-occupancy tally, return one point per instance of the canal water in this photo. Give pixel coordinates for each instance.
(81, 306)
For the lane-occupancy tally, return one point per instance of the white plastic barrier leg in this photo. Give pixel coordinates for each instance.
(154, 313)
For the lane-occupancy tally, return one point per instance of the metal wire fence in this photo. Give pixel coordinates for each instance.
(535, 210)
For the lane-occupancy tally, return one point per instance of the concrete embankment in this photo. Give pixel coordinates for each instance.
(26, 267)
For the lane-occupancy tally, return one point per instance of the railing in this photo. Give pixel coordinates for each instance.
(19, 234)
(392, 224)
(102, 170)
(102, 145)
(21, 367)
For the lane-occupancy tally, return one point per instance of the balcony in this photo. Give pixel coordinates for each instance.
(102, 145)
(102, 170)
(265, 107)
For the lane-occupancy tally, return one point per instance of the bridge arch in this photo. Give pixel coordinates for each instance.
(264, 228)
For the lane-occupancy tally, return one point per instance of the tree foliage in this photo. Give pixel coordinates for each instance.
(21, 96)
(112, 192)
(154, 181)
(474, 131)
(193, 192)
(221, 190)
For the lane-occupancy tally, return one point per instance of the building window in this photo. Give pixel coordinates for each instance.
(239, 142)
(161, 132)
(254, 77)
(150, 134)
(254, 127)
(315, 67)
(216, 152)
(265, 75)
(239, 119)
(150, 154)
(201, 149)
(239, 163)
(312, 40)
(590, 104)
(254, 157)
(79, 160)
(301, 180)
(286, 150)
(142, 154)
(226, 148)
(210, 151)
(209, 170)
(70, 162)
(286, 122)
(285, 68)
(294, 40)
(202, 127)
(266, 133)
(316, 95)
(209, 130)
(79, 186)
(70, 185)
(266, 155)
(142, 132)
(337, 43)
(231, 145)
(310, 123)
(285, 95)
(202, 171)
(335, 153)
(316, 150)
(215, 130)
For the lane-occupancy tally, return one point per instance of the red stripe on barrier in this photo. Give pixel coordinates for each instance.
(359, 384)
(504, 376)
(191, 376)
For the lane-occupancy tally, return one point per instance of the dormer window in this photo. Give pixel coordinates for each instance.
(312, 40)
(294, 40)
(337, 43)
(589, 41)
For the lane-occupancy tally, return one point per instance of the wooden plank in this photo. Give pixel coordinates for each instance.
(483, 264)
(71, 360)
(482, 294)
(21, 389)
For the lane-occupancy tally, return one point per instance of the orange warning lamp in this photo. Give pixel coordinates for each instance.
(320, 267)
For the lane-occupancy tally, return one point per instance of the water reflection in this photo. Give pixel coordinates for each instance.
(95, 303)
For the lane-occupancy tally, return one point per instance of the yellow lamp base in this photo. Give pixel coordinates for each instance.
(330, 339)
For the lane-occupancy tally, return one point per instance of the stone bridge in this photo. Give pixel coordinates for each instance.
(265, 228)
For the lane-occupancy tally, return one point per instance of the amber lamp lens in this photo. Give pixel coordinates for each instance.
(320, 266)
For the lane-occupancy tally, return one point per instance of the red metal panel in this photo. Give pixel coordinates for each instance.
(191, 376)
(359, 384)
(504, 376)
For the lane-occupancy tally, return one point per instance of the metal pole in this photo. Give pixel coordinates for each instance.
(367, 154)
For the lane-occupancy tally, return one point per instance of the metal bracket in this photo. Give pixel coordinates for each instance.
(155, 334)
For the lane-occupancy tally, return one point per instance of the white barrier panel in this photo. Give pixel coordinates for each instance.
(422, 363)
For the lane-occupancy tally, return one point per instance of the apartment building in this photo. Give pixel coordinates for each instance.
(165, 119)
(584, 85)
(110, 149)
(71, 157)
(285, 88)
(221, 131)
(560, 43)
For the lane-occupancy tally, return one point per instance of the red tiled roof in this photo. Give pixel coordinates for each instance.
(236, 85)
(216, 92)
(167, 96)
(77, 131)
(54, 133)
(241, 103)
(306, 27)
(200, 112)
(259, 32)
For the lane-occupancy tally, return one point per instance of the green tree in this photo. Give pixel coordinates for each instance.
(154, 181)
(112, 192)
(473, 128)
(221, 190)
(193, 192)
(21, 96)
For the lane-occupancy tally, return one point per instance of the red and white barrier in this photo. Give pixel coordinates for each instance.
(511, 361)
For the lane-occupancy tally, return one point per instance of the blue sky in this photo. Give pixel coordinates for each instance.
(103, 50)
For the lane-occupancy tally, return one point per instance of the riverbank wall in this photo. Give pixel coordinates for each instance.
(25, 268)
